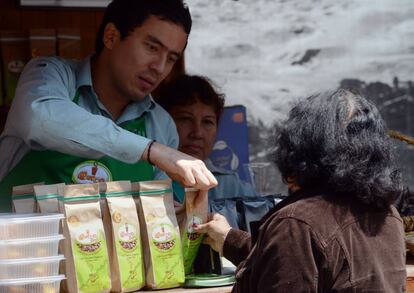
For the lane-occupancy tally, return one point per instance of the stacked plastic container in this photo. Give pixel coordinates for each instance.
(29, 260)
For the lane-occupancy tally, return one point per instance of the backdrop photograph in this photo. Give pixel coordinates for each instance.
(266, 54)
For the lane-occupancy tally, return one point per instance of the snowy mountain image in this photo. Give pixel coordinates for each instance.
(265, 54)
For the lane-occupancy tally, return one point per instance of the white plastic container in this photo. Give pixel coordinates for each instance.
(30, 247)
(18, 226)
(30, 267)
(32, 285)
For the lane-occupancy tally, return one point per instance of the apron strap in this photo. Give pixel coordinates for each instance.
(76, 98)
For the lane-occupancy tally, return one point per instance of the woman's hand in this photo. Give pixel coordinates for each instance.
(216, 229)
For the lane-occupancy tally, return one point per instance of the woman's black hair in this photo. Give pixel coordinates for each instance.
(127, 15)
(337, 142)
(187, 90)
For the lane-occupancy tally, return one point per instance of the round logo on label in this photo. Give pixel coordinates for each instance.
(192, 223)
(127, 236)
(190, 228)
(127, 232)
(87, 239)
(163, 236)
(91, 172)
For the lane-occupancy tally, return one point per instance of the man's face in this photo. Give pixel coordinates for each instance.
(197, 128)
(145, 57)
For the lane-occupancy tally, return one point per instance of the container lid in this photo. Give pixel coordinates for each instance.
(32, 240)
(31, 260)
(209, 280)
(37, 280)
(13, 218)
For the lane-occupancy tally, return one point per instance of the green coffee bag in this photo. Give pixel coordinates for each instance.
(193, 212)
(122, 230)
(160, 235)
(86, 253)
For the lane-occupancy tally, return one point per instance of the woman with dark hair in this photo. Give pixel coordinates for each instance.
(196, 107)
(338, 231)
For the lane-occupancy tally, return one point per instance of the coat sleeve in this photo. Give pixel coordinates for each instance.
(237, 246)
(286, 258)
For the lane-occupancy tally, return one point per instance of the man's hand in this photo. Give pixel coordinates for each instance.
(187, 170)
(216, 230)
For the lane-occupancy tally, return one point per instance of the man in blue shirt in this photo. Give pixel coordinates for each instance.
(94, 120)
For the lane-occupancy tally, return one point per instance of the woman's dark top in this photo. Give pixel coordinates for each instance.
(313, 244)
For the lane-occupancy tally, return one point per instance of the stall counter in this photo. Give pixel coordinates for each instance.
(224, 289)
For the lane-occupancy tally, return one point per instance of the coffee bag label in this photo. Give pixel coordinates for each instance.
(129, 256)
(127, 237)
(191, 242)
(160, 234)
(85, 245)
(123, 235)
(166, 253)
(91, 259)
(193, 214)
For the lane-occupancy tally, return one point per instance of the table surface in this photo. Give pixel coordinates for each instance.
(224, 289)
(227, 289)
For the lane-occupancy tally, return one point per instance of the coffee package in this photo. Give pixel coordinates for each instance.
(193, 212)
(85, 248)
(122, 232)
(69, 43)
(47, 197)
(23, 198)
(42, 42)
(15, 54)
(160, 234)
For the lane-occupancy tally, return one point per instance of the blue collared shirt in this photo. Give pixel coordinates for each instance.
(44, 117)
(229, 184)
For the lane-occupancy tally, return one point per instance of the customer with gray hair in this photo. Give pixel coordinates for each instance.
(338, 231)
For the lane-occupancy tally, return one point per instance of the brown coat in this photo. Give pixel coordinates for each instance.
(316, 245)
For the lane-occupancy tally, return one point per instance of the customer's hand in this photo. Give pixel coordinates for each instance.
(187, 170)
(216, 229)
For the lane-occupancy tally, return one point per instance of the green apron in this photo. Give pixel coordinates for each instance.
(53, 167)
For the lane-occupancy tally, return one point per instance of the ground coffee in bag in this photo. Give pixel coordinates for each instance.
(194, 212)
(87, 263)
(122, 230)
(160, 235)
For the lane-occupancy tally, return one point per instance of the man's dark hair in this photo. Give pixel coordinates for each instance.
(187, 90)
(127, 15)
(337, 143)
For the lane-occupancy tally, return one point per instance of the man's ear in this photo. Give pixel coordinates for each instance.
(111, 36)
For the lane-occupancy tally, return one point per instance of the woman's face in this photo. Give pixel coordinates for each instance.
(197, 128)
